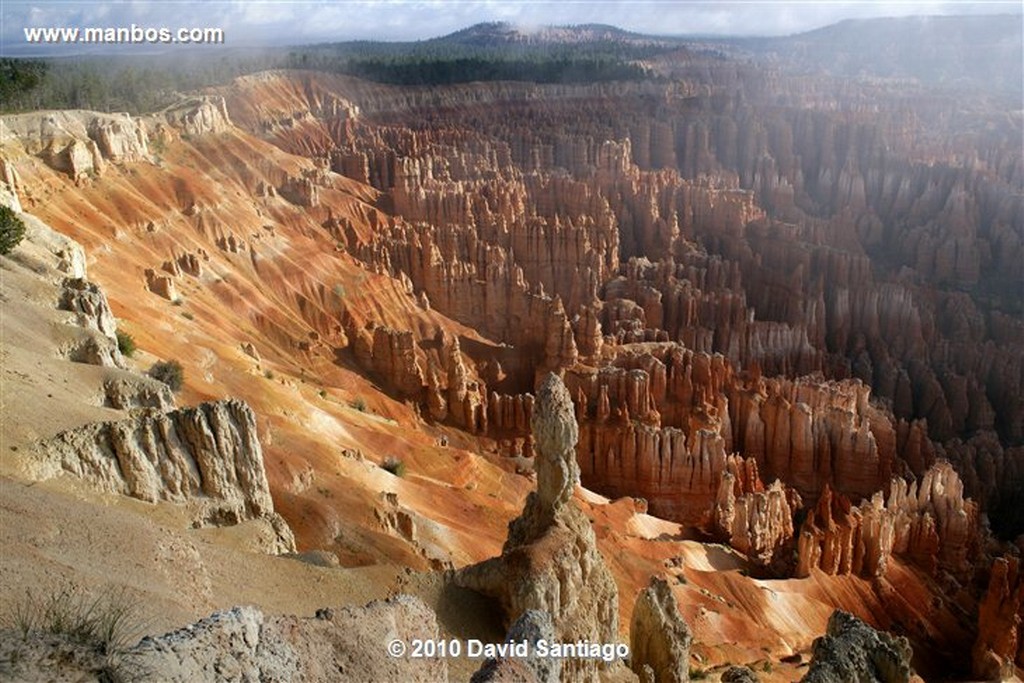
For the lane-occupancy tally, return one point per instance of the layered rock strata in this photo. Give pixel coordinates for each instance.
(209, 454)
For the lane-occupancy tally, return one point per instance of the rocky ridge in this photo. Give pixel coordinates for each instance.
(209, 454)
(244, 644)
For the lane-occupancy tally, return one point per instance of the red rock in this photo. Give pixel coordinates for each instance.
(928, 522)
(999, 645)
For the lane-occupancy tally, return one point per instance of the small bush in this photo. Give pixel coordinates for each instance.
(169, 372)
(394, 466)
(125, 344)
(322, 393)
(12, 229)
(269, 374)
(107, 622)
(359, 404)
(187, 315)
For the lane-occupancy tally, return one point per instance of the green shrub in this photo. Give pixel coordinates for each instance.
(169, 372)
(394, 466)
(125, 344)
(359, 404)
(106, 622)
(12, 229)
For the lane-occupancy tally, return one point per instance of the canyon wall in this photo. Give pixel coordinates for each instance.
(807, 276)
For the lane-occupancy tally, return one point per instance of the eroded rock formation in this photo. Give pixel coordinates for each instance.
(98, 346)
(550, 560)
(80, 143)
(851, 650)
(999, 646)
(743, 275)
(199, 116)
(531, 627)
(659, 637)
(709, 254)
(209, 454)
(928, 522)
(754, 519)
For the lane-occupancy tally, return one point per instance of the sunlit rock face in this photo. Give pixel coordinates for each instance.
(928, 523)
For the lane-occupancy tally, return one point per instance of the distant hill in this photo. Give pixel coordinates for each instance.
(496, 51)
(984, 51)
(978, 51)
(495, 34)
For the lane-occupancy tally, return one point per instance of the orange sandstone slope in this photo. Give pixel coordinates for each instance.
(385, 272)
(250, 294)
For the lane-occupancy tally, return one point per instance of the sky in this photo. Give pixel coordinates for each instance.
(277, 22)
